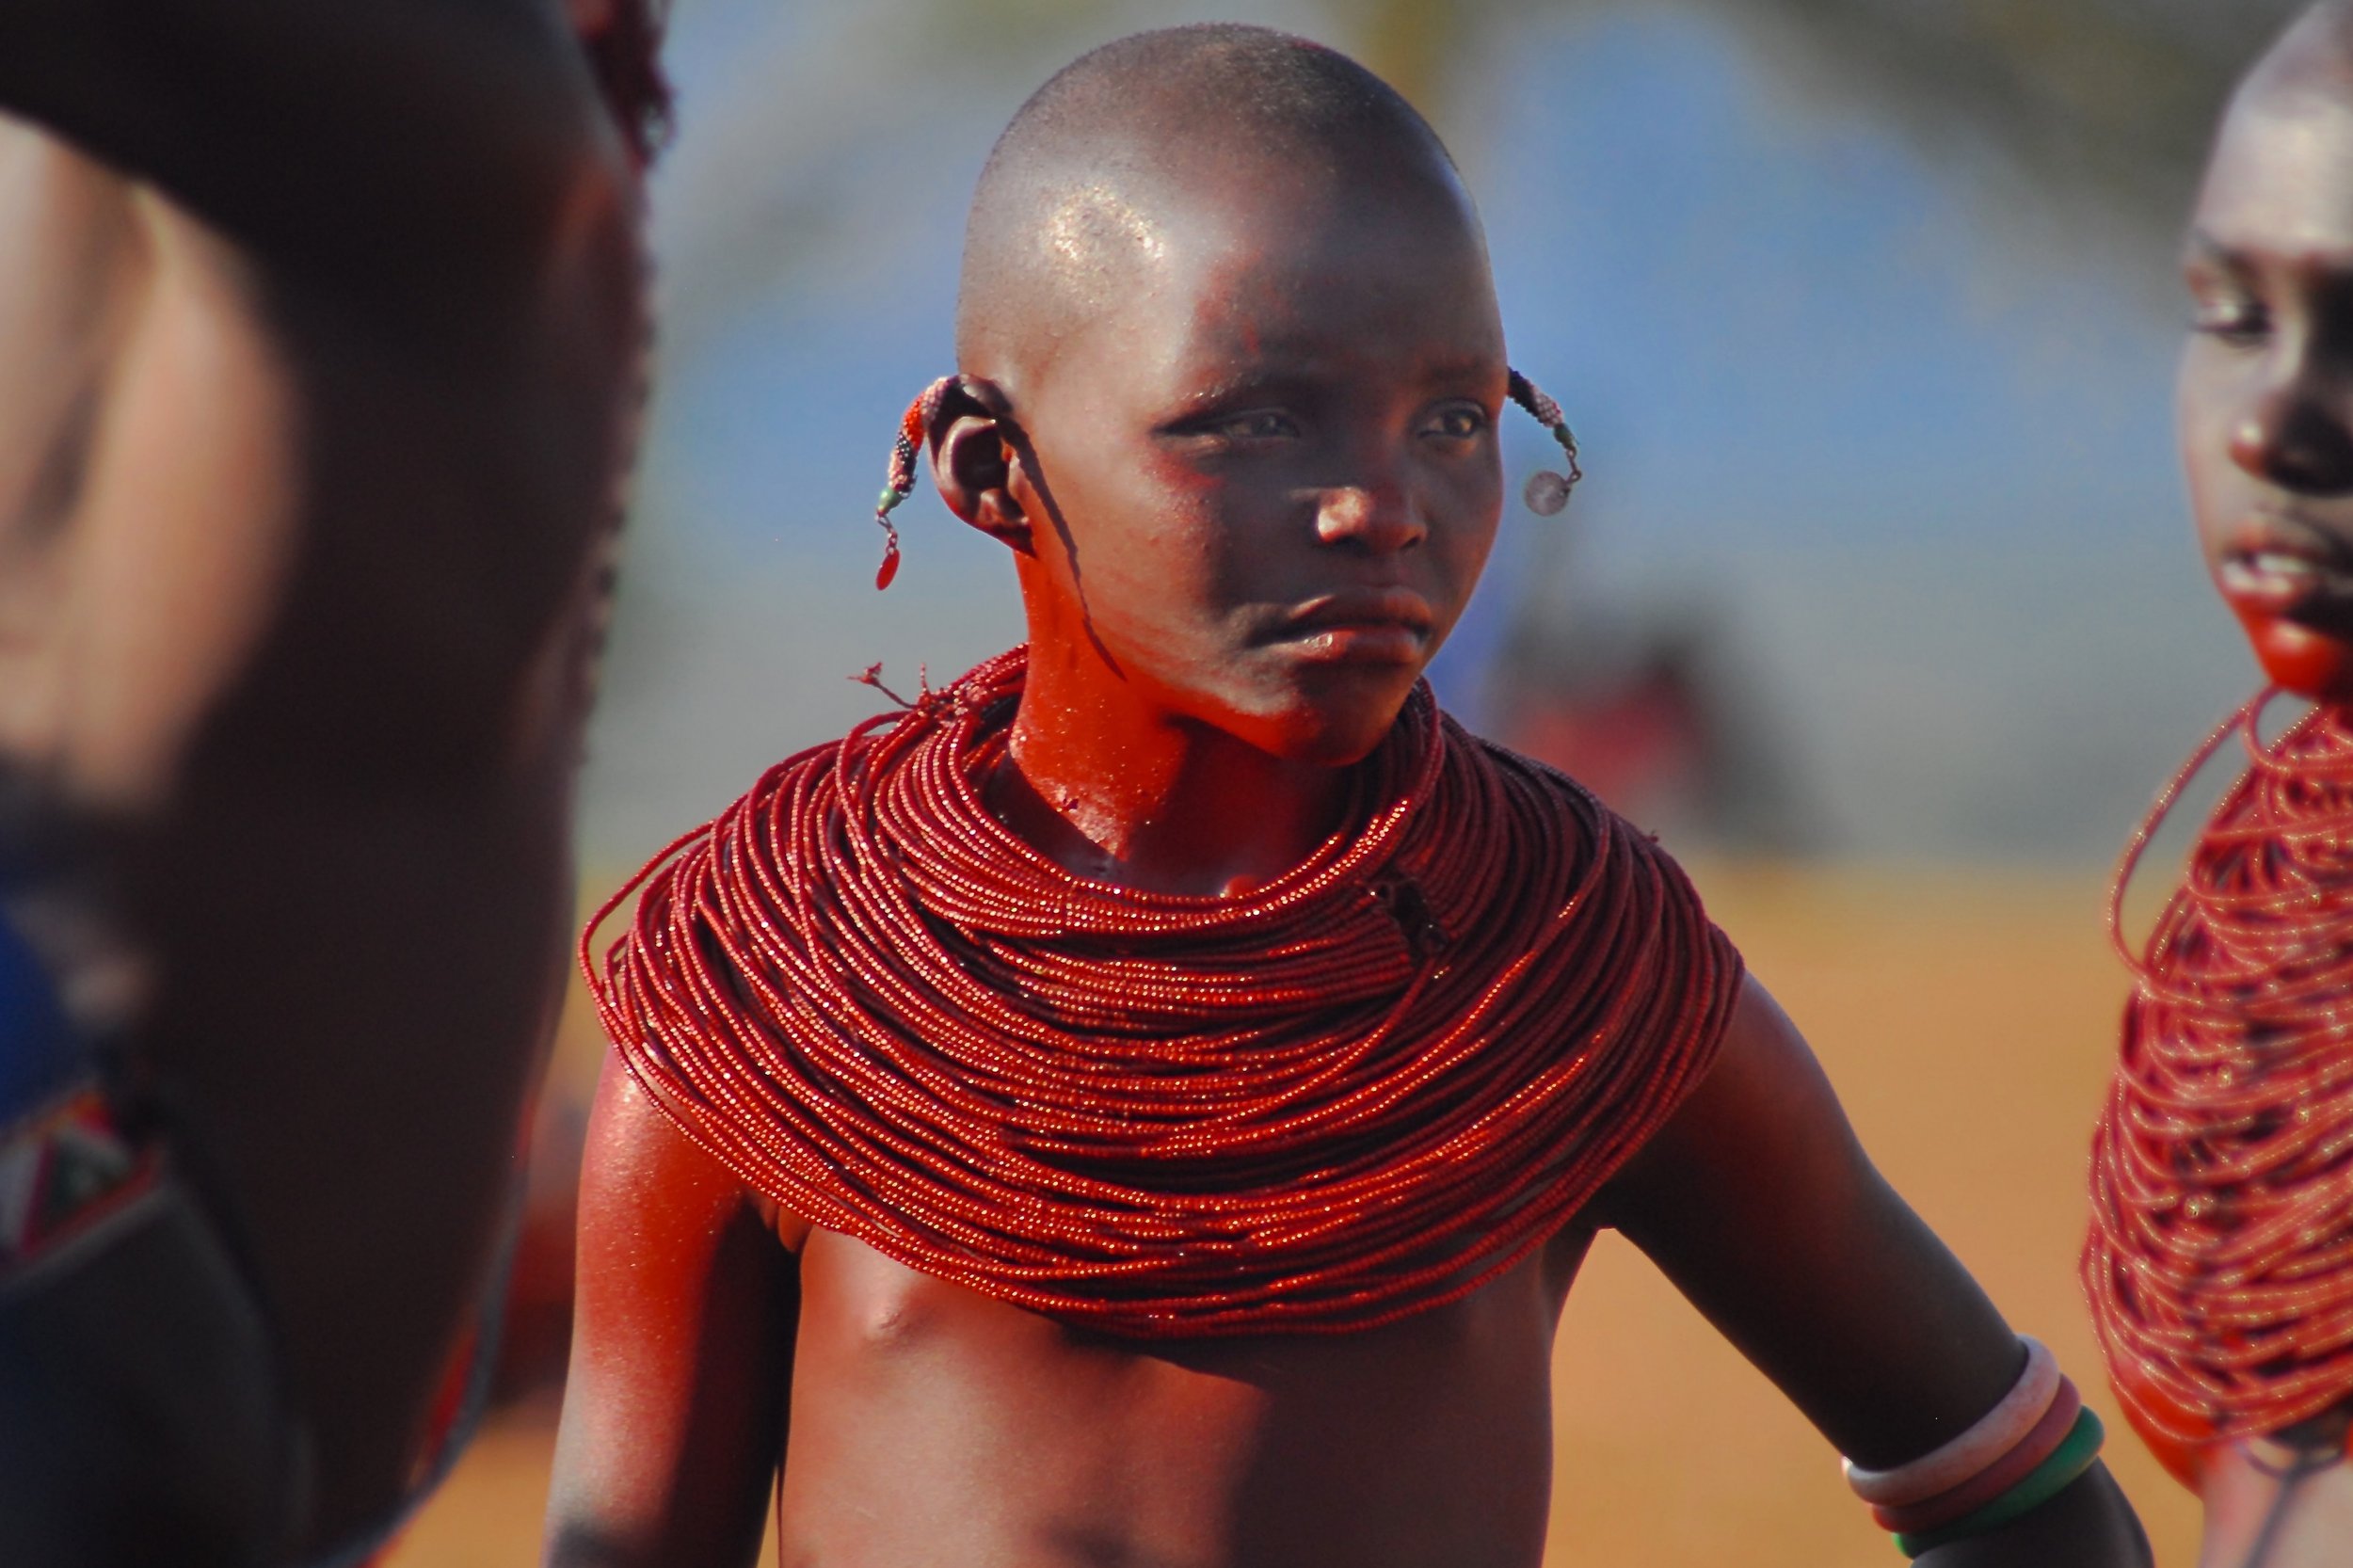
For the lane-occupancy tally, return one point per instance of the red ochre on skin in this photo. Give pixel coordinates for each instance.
(1354, 1093)
(2220, 1262)
(2298, 658)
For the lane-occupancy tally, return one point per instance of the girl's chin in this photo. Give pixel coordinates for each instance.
(2308, 663)
(1327, 732)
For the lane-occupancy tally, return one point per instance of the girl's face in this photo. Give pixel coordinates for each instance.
(1268, 480)
(2266, 398)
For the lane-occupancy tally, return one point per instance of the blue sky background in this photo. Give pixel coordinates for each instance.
(1906, 451)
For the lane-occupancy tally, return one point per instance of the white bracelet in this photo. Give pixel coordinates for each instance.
(1994, 1434)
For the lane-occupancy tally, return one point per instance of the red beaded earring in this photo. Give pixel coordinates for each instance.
(1547, 492)
(915, 428)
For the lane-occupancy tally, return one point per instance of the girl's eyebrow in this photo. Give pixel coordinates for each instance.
(1243, 383)
(2203, 246)
(1261, 378)
(1461, 367)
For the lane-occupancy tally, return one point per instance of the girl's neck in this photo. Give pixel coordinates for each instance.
(1154, 801)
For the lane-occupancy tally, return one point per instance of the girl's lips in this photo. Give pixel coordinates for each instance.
(1369, 607)
(2276, 565)
(1363, 643)
(1379, 626)
(2270, 580)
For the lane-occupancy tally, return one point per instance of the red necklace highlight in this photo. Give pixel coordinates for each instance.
(1359, 1092)
(2220, 1261)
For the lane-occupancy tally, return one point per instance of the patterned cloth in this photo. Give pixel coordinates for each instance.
(66, 1165)
(64, 1169)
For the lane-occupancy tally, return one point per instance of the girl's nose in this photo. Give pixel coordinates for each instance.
(1378, 517)
(2298, 435)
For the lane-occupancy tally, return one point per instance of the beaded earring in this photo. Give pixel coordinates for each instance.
(915, 428)
(1547, 492)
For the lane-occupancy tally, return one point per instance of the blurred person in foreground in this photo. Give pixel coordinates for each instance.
(1148, 1101)
(325, 331)
(2221, 1258)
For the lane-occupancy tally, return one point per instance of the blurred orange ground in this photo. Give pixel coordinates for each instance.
(1967, 1020)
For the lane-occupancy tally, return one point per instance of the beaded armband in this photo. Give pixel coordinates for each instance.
(2018, 1456)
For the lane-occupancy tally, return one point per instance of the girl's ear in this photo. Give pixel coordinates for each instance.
(975, 456)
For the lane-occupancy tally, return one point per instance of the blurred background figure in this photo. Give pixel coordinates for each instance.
(1877, 603)
(325, 335)
(2219, 1254)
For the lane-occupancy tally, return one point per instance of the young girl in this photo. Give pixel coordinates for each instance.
(1148, 1103)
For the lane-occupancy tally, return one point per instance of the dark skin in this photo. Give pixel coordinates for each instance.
(2266, 422)
(1246, 499)
(320, 320)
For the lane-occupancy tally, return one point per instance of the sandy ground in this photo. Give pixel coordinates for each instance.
(1967, 1021)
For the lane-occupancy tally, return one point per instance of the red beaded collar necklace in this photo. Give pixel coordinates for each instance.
(1359, 1092)
(2221, 1258)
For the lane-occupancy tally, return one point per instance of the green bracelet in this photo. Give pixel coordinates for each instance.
(2054, 1475)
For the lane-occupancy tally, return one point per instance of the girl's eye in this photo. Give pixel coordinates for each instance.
(1259, 425)
(1460, 422)
(2239, 322)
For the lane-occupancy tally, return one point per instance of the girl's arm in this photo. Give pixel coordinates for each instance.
(673, 1414)
(1759, 1204)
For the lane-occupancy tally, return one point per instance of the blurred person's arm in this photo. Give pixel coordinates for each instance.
(421, 150)
(426, 196)
(675, 1411)
(1757, 1201)
(322, 319)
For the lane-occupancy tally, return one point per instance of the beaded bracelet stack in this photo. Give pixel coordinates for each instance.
(2018, 1455)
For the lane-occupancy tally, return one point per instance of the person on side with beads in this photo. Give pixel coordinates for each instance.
(2220, 1261)
(1147, 1101)
(325, 327)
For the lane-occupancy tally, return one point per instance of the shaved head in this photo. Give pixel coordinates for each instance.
(2313, 55)
(2278, 159)
(1163, 133)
